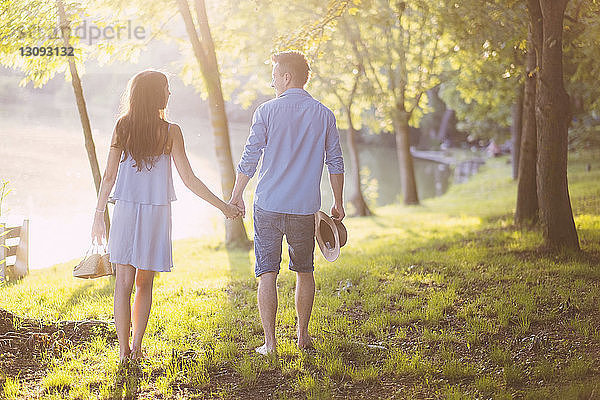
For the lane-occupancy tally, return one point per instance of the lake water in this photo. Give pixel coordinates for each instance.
(381, 176)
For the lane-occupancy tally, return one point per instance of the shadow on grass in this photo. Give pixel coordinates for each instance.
(240, 267)
(86, 292)
(242, 276)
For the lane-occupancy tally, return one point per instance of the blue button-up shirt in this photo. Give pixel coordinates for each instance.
(295, 134)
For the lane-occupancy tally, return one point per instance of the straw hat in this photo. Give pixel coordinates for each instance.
(330, 234)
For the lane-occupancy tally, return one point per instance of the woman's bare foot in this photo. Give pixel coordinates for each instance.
(264, 350)
(124, 354)
(136, 354)
(305, 343)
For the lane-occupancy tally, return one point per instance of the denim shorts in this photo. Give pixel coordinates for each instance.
(299, 231)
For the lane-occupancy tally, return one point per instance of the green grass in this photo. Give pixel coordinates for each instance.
(11, 388)
(444, 300)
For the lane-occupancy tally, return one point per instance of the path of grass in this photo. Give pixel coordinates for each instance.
(445, 300)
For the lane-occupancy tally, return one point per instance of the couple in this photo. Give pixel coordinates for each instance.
(295, 135)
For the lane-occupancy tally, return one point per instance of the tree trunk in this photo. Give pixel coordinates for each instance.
(235, 232)
(527, 201)
(552, 117)
(407, 170)
(516, 129)
(82, 108)
(447, 124)
(357, 199)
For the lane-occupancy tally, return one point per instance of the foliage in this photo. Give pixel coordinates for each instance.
(4, 191)
(474, 48)
(582, 48)
(346, 40)
(486, 64)
(402, 47)
(34, 23)
(582, 38)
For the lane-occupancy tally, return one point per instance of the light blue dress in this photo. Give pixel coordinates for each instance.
(140, 232)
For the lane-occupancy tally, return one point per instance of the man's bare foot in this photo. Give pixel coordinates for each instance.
(264, 350)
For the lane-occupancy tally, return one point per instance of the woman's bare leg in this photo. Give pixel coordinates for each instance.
(122, 306)
(141, 308)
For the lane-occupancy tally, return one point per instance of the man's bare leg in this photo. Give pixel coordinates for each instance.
(267, 306)
(305, 295)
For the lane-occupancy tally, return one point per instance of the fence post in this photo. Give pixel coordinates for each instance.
(22, 261)
(2, 254)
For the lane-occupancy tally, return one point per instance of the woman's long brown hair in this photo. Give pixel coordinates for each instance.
(141, 128)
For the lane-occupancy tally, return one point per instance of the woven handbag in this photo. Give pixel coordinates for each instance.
(95, 264)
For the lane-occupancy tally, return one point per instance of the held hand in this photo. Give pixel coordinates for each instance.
(337, 212)
(231, 211)
(98, 228)
(239, 204)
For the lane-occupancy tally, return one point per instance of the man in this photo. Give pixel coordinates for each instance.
(295, 134)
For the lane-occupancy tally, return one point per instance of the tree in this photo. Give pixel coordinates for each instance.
(401, 46)
(204, 52)
(580, 24)
(485, 73)
(200, 41)
(356, 198)
(346, 98)
(526, 213)
(553, 116)
(516, 130)
(82, 108)
(39, 17)
(499, 26)
(34, 23)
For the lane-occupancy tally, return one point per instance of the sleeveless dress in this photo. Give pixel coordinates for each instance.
(140, 232)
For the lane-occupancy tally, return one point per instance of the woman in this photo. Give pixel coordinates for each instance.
(139, 160)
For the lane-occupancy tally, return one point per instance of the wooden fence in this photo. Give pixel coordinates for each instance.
(18, 268)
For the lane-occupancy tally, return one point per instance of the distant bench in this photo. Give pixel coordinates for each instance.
(20, 266)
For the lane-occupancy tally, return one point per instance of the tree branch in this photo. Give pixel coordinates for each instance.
(357, 39)
(197, 46)
(420, 90)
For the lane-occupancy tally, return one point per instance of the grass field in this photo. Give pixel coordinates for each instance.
(443, 300)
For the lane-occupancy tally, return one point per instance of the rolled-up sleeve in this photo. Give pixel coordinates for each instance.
(333, 150)
(257, 140)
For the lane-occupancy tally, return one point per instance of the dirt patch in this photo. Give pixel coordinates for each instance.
(26, 344)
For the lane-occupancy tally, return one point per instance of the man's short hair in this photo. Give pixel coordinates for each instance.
(295, 63)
